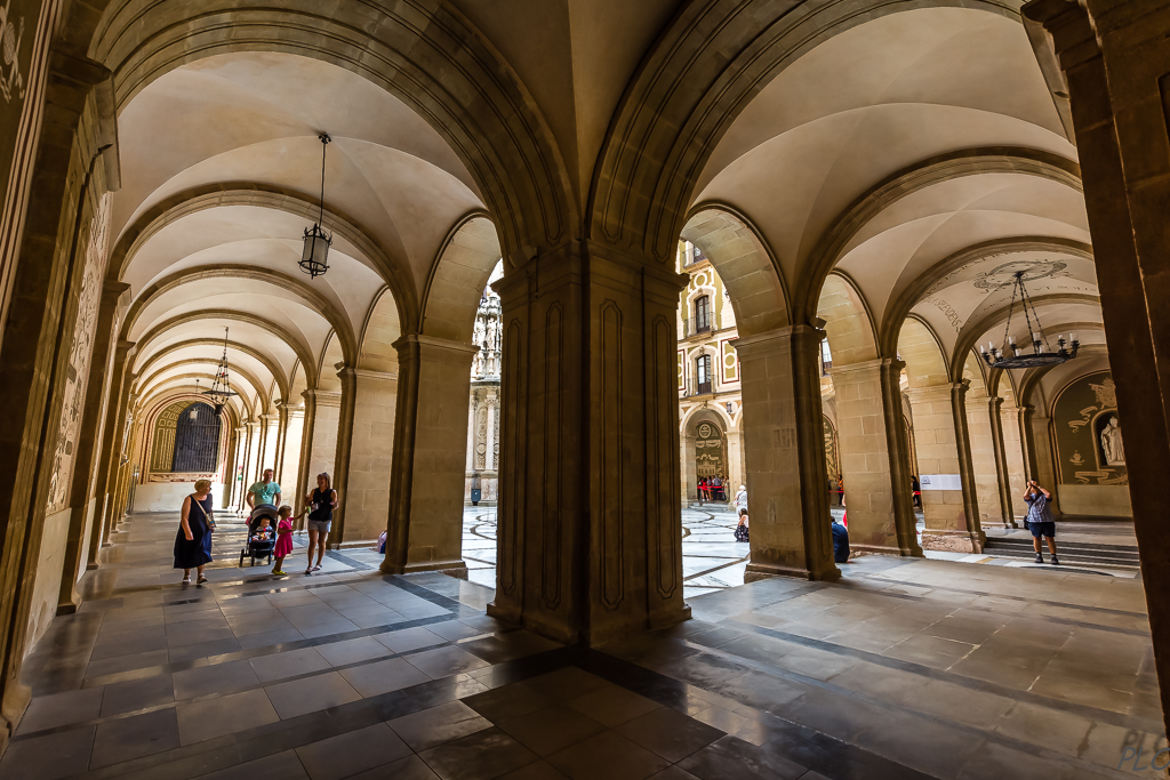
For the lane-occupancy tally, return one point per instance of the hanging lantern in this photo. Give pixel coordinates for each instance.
(1041, 354)
(221, 389)
(315, 257)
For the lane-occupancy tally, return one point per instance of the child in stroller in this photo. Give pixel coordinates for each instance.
(261, 534)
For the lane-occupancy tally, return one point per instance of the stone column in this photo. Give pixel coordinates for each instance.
(291, 452)
(112, 442)
(364, 454)
(427, 485)
(780, 382)
(1014, 459)
(689, 474)
(874, 457)
(252, 455)
(590, 544)
(1004, 478)
(940, 433)
(321, 438)
(269, 433)
(1118, 68)
(282, 414)
(1037, 430)
(305, 472)
(984, 457)
(83, 512)
(341, 452)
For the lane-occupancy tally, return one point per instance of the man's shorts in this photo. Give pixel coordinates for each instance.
(1043, 529)
(322, 526)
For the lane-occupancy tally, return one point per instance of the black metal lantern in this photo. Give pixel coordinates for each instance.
(221, 389)
(1040, 355)
(315, 257)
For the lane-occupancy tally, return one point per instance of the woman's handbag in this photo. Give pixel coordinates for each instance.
(207, 517)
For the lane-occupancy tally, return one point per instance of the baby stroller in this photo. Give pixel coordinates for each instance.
(260, 548)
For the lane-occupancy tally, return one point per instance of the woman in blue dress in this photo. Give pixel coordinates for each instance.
(193, 540)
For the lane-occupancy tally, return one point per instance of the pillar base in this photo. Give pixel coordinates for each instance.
(455, 568)
(952, 541)
(878, 549)
(92, 565)
(559, 632)
(763, 571)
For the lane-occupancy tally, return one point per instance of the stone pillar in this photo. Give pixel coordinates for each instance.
(1004, 478)
(364, 454)
(282, 413)
(341, 452)
(291, 452)
(113, 438)
(269, 435)
(1118, 68)
(688, 470)
(940, 433)
(984, 457)
(1014, 459)
(83, 514)
(322, 427)
(590, 544)
(426, 506)
(1036, 428)
(780, 382)
(874, 457)
(253, 454)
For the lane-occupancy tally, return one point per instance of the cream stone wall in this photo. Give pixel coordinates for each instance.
(983, 456)
(937, 448)
(367, 492)
(322, 452)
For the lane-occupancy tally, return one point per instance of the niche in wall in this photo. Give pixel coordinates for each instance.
(1089, 451)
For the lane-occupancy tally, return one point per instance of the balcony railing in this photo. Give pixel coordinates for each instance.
(695, 328)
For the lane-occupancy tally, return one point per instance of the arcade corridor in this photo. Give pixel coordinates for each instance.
(349, 673)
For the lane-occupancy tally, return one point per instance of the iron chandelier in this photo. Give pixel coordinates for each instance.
(315, 257)
(1040, 355)
(221, 389)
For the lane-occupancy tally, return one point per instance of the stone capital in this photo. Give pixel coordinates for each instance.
(409, 343)
(323, 397)
(779, 338)
(878, 364)
(365, 373)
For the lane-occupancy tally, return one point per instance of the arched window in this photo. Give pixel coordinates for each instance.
(702, 314)
(196, 440)
(703, 374)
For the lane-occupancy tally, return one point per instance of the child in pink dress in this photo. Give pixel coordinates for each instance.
(284, 540)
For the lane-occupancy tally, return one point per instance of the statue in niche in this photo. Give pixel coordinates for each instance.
(1111, 444)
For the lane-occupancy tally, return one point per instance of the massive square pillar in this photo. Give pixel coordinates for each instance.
(430, 449)
(949, 504)
(874, 457)
(365, 445)
(589, 517)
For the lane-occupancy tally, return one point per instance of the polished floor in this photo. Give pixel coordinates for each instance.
(905, 669)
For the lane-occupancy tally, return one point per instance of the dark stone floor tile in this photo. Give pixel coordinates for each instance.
(383, 676)
(203, 649)
(353, 651)
(48, 757)
(59, 709)
(612, 705)
(445, 661)
(227, 677)
(669, 734)
(281, 766)
(200, 720)
(541, 770)
(352, 752)
(130, 645)
(485, 754)
(410, 768)
(548, 730)
(309, 694)
(122, 739)
(607, 755)
(731, 758)
(508, 701)
(436, 725)
(289, 664)
(109, 666)
(137, 694)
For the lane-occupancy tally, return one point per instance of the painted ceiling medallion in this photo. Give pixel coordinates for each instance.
(1040, 355)
(1006, 275)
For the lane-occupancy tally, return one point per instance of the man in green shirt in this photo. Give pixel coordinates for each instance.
(264, 492)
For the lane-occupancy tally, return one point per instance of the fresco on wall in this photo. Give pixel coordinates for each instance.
(709, 461)
(80, 354)
(832, 456)
(1088, 433)
(18, 22)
